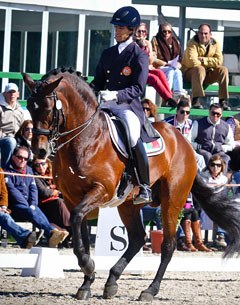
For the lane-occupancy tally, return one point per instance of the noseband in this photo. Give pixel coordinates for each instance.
(54, 135)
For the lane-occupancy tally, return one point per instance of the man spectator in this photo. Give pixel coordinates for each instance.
(202, 64)
(23, 197)
(11, 118)
(212, 135)
(182, 122)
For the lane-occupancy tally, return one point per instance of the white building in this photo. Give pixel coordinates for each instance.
(38, 35)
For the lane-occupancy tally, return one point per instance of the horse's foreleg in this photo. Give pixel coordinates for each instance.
(81, 250)
(136, 237)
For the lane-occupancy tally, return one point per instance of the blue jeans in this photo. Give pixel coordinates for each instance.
(175, 79)
(150, 213)
(8, 224)
(236, 180)
(35, 216)
(7, 146)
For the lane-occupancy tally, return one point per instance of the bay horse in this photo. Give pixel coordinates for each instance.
(87, 169)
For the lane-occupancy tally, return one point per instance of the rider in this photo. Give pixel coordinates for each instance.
(121, 77)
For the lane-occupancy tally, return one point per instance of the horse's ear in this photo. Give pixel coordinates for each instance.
(49, 88)
(28, 81)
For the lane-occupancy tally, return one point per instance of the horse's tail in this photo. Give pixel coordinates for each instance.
(222, 210)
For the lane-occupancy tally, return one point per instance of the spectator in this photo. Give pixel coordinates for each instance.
(234, 123)
(202, 64)
(168, 58)
(190, 221)
(23, 196)
(11, 118)
(211, 135)
(49, 198)
(214, 176)
(182, 122)
(24, 137)
(150, 109)
(156, 77)
(25, 238)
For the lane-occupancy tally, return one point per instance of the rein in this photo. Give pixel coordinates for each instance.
(54, 134)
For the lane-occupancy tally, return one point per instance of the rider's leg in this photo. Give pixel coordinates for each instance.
(141, 163)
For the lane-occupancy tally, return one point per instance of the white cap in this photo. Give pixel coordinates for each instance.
(11, 86)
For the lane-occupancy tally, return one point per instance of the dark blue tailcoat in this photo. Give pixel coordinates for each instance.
(126, 73)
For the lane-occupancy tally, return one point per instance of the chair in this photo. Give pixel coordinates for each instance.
(232, 63)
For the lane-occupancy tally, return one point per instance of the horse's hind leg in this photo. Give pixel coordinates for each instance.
(81, 250)
(172, 202)
(130, 216)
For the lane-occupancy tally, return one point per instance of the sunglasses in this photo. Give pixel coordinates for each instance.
(213, 113)
(28, 129)
(40, 164)
(146, 109)
(216, 164)
(184, 111)
(21, 158)
(141, 31)
(167, 32)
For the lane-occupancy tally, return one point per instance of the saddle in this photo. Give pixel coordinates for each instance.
(120, 137)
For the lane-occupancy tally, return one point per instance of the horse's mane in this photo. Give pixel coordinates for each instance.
(63, 69)
(76, 79)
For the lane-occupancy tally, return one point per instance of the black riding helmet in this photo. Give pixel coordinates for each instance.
(126, 16)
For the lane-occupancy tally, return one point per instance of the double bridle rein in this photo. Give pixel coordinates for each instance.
(54, 134)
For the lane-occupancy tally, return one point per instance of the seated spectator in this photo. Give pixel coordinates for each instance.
(24, 238)
(11, 118)
(203, 64)
(49, 198)
(212, 135)
(23, 196)
(183, 123)
(191, 221)
(156, 77)
(214, 176)
(24, 137)
(234, 123)
(168, 58)
(150, 109)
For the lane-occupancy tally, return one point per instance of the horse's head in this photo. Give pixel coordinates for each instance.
(46, 112)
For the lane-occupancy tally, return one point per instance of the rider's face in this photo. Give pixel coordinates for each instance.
(121, 33)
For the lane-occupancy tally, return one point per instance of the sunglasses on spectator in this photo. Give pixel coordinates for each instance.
(167, 32)
(184, 111)
(21, 158)
(141, 31)
(215, 164)
(213, 113)
(28, 129)
(40, 164)
(146, 108)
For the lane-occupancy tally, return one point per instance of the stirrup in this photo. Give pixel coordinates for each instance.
(144, 196)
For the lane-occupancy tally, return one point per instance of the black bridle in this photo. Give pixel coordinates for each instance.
(54, 134)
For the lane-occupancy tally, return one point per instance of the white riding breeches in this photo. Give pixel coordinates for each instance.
(124, 112)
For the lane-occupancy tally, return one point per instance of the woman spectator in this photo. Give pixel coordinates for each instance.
(24, 137)
(214, 176)
(168, 59)
(191, 221)
(150, 109)
(50, 201)
(156, 77)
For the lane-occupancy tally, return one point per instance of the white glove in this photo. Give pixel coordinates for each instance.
(107, 95)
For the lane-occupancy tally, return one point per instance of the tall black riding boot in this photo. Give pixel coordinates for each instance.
(141, 163)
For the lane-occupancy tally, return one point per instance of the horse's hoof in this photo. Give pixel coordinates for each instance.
(145, 297)
(110, 291)
(83, 294)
